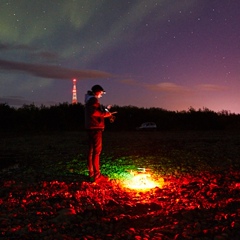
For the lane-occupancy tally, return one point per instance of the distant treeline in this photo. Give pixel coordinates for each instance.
(70, 117)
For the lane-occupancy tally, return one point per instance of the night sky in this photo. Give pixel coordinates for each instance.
(170, 54)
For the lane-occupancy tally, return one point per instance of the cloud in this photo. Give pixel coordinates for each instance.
(34, 51)
(52, 71)
(18, 101)
(46, 55)
(130, 81)
(14, 100)
(167, 87)
(8, 47)
(211, 87)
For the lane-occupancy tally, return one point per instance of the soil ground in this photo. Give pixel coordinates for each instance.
(45, 192)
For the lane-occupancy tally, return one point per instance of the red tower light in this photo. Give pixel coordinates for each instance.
(74, 92)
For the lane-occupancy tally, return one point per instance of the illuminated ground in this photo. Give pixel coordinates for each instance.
(197, 197)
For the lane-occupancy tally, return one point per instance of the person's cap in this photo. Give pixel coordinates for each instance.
(98, 88)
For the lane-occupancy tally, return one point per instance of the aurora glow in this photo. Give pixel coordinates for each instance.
(165, 53)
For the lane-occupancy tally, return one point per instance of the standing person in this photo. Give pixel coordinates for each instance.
(94, 123)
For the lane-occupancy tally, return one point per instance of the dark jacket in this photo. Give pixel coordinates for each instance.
(94, 113)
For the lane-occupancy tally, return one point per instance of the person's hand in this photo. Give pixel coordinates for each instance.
(112, 119)
(107, 114)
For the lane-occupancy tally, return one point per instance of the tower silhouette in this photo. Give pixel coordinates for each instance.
(74, 92)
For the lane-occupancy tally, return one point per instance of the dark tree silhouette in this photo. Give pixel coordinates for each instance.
(70, 117)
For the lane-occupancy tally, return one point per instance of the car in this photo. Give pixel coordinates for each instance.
(148, 126)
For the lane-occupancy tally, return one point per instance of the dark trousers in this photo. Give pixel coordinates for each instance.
(95, 149)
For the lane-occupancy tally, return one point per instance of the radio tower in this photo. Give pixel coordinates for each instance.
(74, 92)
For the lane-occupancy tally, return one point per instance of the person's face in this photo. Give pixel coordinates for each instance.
(99, 94)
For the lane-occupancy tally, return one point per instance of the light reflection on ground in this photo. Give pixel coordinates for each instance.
(143, 181)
